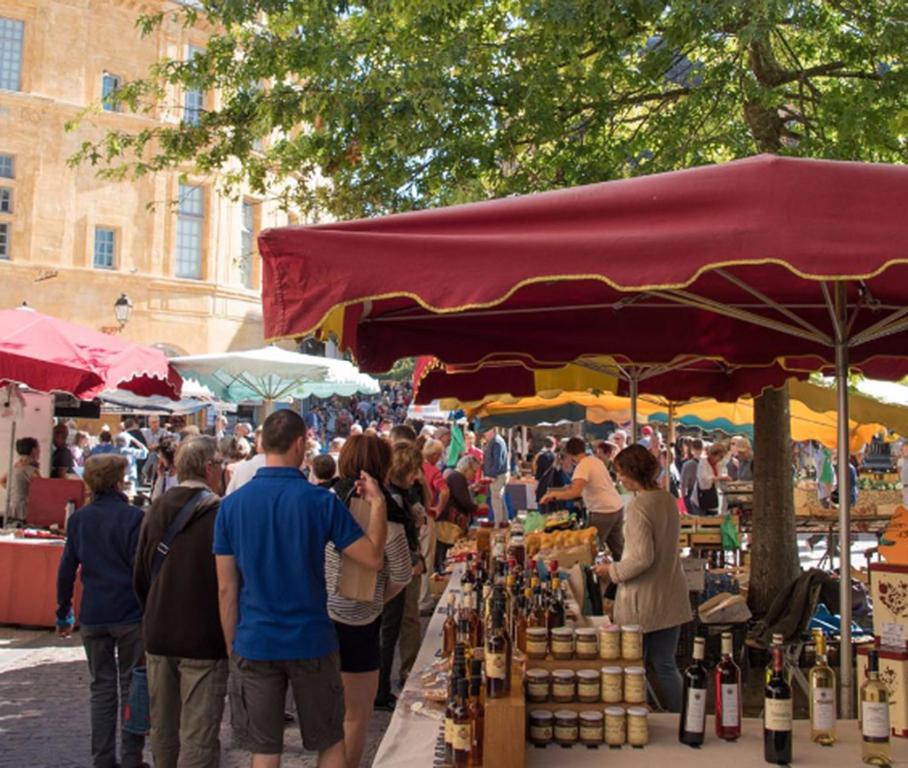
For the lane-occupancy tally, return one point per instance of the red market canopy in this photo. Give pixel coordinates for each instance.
(51, 355)
(679, 380)
(646, 268)
(763, 261)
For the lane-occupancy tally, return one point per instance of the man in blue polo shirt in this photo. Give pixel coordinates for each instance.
(269, 543)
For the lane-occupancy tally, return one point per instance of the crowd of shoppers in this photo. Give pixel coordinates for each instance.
(230, 587)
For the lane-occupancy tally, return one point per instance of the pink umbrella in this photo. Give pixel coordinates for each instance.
(52, 355)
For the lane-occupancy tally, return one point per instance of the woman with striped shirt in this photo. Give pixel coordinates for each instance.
(358, 624)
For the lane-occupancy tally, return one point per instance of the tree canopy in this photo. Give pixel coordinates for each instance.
(362, 108)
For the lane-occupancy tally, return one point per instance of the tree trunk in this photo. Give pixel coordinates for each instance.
(773, 544)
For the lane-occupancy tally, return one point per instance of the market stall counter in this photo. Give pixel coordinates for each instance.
(28, 581)
(412, 738)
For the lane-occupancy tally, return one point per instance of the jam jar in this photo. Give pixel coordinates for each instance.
(586, 643)
(635, 685)
(563, 643)
(610, 643)
(614, 726)
(542, 727)
(637, 726)
(537, 642)
(612, 685)
(592, 728)
(564, 685)
(588, 686)
(538, 685)
(567, 731)
(631, 642)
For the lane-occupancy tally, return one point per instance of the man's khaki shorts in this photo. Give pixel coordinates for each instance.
(258, 692)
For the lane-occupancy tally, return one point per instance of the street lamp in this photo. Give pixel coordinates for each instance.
(122, 308)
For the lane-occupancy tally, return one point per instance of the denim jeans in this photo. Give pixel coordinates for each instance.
(659, 650)
(112, 653)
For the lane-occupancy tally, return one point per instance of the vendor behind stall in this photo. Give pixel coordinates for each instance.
(28, 453)
(652, 590)
(62, 462)
(592, 482)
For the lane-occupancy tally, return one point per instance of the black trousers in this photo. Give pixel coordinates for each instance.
(391, 619)
(112, 651)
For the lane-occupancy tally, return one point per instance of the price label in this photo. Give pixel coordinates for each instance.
(824, 709)
(892, 634)
(695, 722)
(875, 719)
(730, 704)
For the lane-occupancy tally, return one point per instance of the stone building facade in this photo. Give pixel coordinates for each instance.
(71, 243)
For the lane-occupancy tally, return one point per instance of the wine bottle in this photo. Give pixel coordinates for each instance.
(874, 715)
(777, 640)
(496, 658)
(469, 574)
(457, 672)
(486, 609)
(477, 714)
(555, 614)
(475, 623)
(463, 635)
(728, 693)
(499, 603)
(520, 624)
(777, 713)
(692, 726)
(510, 580)
(462, 738)
(449, 629)
(822, 695)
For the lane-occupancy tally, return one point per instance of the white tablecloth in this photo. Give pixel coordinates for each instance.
(410, 739)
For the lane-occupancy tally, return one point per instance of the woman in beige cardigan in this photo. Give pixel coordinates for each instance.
(652, 590)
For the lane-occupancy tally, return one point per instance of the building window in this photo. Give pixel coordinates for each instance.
(193, 100)
(190, 226)
(10, 54)
(247, 243)
(7, 167)
(6, 200)
(4, 241)
(105, 247)
(110, 84)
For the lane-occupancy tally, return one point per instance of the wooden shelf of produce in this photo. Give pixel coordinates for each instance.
(579, 706)
(575, 664)
(505, 727)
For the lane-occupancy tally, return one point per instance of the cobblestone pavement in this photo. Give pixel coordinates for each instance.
(44, 720)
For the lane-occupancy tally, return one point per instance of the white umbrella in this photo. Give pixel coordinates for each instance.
(271, 374)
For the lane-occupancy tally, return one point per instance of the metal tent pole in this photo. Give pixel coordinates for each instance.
(841, 374)
(635, 387)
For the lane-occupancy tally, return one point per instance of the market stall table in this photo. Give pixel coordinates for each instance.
(28, 581)
(664, 749)
(410, 740)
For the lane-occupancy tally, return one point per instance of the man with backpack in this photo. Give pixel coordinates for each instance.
(176, 582)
